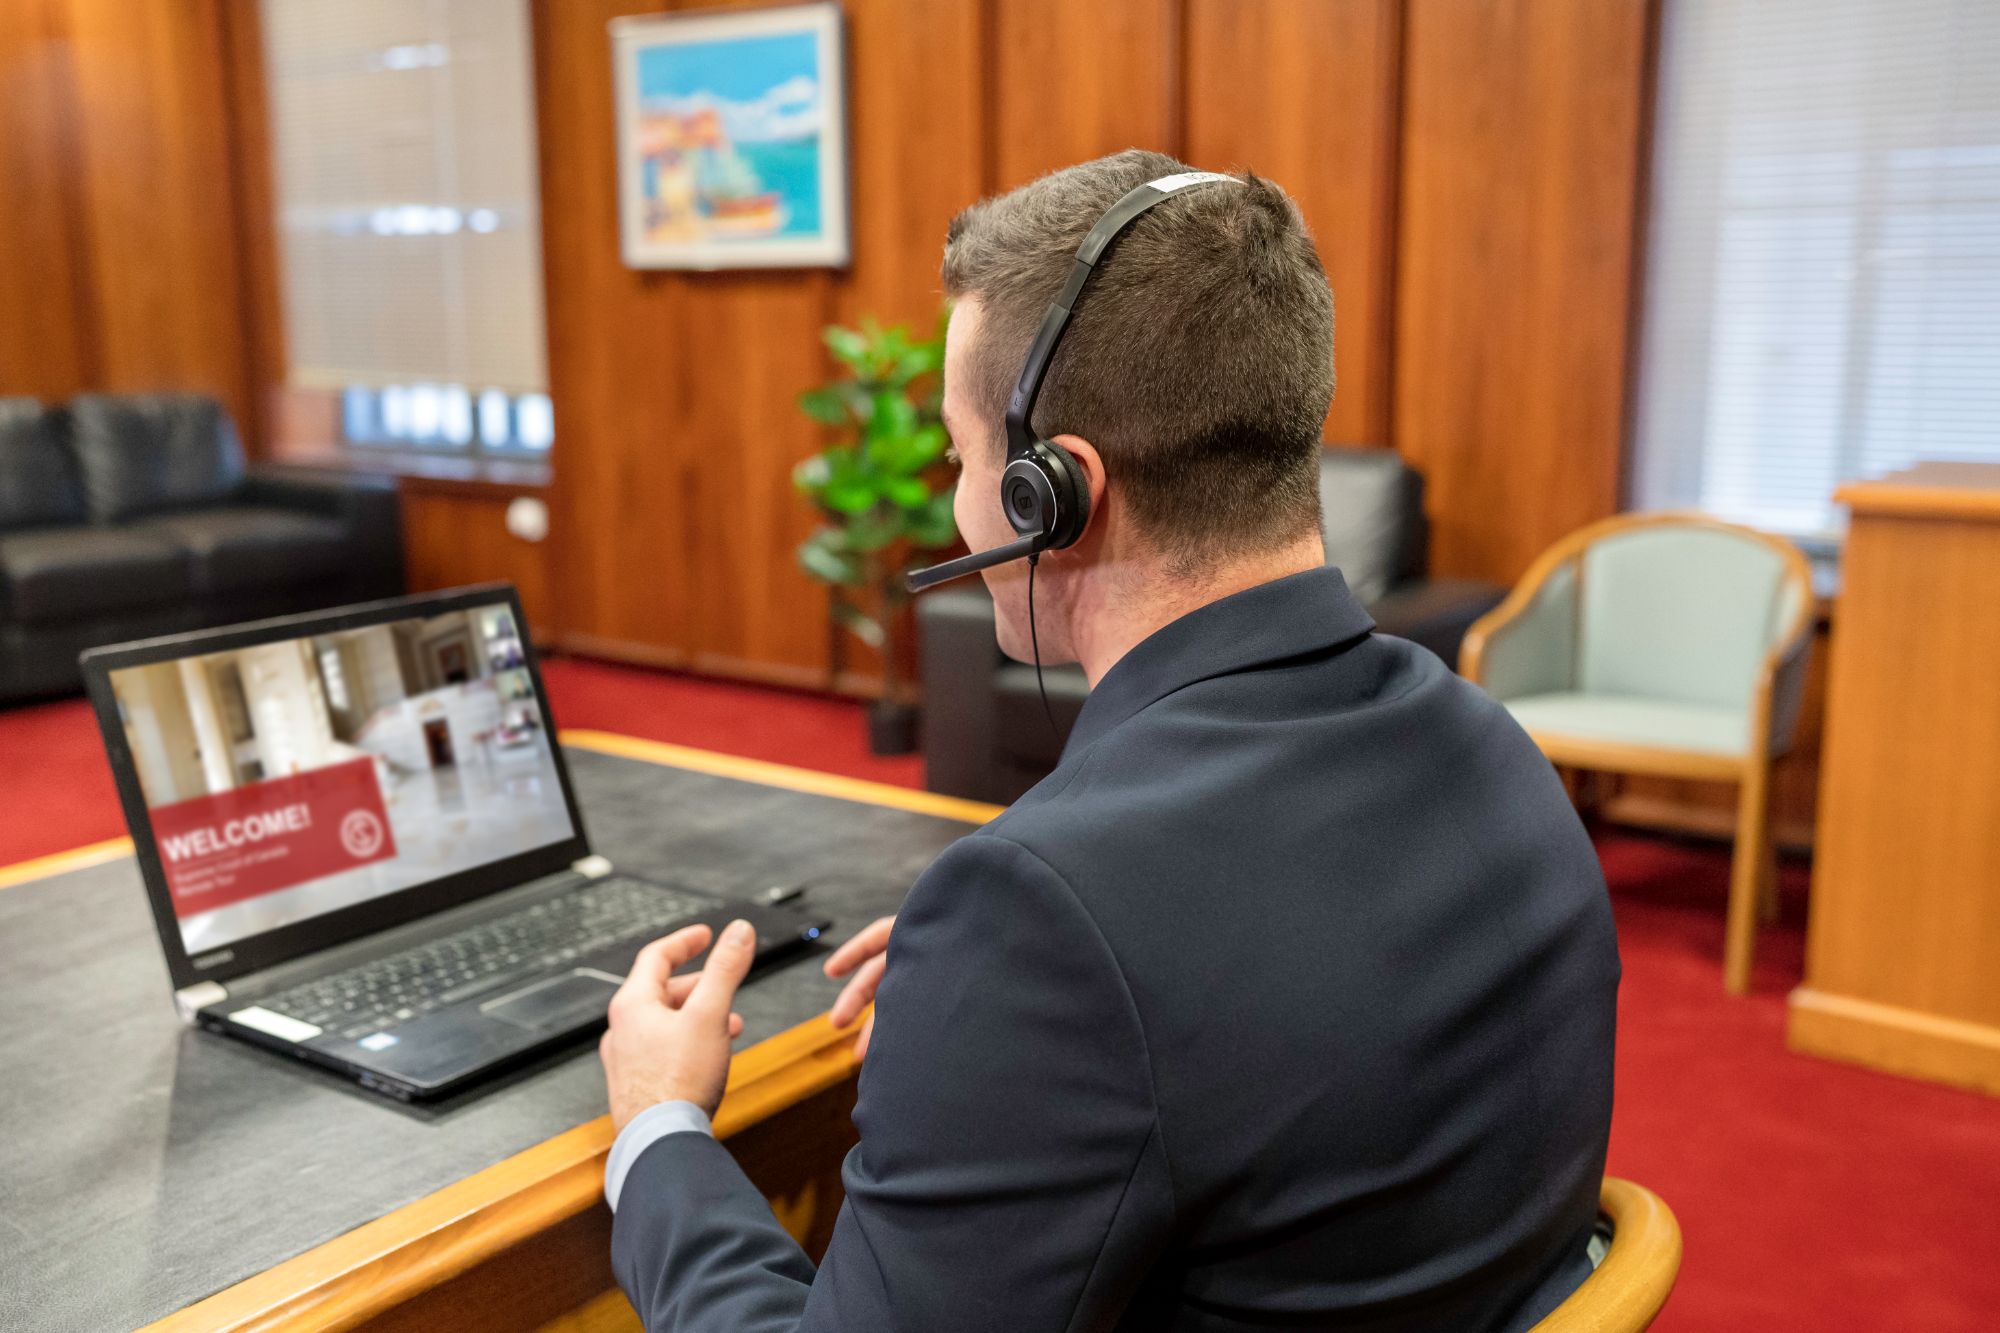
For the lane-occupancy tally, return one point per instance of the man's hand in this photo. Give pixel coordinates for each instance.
(865, 955)
(669, 1037)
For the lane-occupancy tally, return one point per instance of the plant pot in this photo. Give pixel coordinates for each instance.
(892, 728)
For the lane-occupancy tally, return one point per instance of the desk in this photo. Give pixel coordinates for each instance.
(153, 1173)
(1903, 947)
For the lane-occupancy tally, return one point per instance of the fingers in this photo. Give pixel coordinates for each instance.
(856, 994)
(861, 1042)
(657, 961)
(728, 962)
(735, 1026)
(869, 941)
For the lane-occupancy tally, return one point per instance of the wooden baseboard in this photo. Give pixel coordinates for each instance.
(1895, 1040)
(851, 684)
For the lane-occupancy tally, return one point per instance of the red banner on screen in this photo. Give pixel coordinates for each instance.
(271, 835)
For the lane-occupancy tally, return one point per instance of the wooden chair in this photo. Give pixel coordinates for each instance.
(1631, 1284)
(1672, 645)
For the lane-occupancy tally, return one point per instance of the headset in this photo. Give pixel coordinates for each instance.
(1043, 489)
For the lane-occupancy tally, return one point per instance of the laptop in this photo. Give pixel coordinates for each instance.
(362, 847)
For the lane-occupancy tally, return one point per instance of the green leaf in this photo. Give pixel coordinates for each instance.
(872, 531)
(921, 359)
(811, 475)
(893, 415)
(848, 347)
(820, 556)
(909, 492)
(868, 631)
(827, 405)
(934, 525)
(928, 444)
(849, 496)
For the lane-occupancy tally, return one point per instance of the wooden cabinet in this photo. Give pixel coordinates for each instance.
(1903, 949)
(455, 533)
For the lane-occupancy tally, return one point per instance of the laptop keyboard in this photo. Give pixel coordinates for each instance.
(387, 991)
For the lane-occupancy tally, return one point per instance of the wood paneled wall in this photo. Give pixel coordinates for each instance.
(1522, 148)
(1307, 92)
(674, 392)
(455, 533)
(43, 348)
(1470, 168)
(118, 249)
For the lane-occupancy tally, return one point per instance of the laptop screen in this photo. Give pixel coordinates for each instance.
(302, 776)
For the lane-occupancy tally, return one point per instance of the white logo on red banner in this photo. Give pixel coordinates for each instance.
(361, 834)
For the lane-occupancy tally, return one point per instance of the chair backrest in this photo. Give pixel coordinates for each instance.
(1372, 514)
(1638, 1269)
(1683, 607)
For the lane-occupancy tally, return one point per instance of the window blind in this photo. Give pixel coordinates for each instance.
(1822, 296)
(403, 134)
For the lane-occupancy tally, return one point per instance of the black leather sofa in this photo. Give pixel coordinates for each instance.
(985, 736)
(123, 516)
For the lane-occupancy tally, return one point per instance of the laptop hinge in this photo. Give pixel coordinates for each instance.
(592, 867)
(191, 1000)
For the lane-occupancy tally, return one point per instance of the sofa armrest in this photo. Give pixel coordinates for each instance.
(1527, 645)
(1435, 612)
(367, 505)
(957, 658)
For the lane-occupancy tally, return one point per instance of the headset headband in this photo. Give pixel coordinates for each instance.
(1021, 407)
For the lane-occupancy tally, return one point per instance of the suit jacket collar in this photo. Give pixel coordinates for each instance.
(1300, 613)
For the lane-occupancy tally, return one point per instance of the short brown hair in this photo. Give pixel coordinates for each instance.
(1200, 358)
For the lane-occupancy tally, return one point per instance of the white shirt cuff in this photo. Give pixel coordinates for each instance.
(642, 1132)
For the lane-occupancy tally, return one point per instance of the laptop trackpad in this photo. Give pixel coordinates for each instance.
(564, 1001)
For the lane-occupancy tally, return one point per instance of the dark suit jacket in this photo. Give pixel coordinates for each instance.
(1286, 1001)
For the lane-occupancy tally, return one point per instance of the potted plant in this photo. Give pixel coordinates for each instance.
(883, 493)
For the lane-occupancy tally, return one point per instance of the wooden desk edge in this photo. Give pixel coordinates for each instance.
(365, 1272)
(1913, 495)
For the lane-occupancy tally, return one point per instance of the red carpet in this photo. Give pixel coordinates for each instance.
(1812, 1196)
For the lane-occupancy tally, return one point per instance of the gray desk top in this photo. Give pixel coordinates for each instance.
(147, 1166)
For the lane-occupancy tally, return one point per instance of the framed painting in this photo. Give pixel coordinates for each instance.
(732, 138)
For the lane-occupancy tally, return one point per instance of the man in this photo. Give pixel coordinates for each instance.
(1287, 1000)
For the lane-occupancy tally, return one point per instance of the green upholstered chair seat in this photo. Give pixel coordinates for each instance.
(1655, 723)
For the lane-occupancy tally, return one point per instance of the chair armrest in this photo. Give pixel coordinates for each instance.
(1435, 612)
(367, 505)
(957, 658)
(1788, 691)
(1527, 645)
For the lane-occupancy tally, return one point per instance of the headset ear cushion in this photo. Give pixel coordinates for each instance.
(1072, 489)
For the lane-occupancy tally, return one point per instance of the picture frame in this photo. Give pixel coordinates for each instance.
(732, 138)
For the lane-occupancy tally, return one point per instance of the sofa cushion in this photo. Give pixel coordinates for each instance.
(1372, 511)
(143, 453)
(39, 485)
(249, 546)
(61, 574)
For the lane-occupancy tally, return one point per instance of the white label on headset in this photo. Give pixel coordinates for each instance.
(1168, 184)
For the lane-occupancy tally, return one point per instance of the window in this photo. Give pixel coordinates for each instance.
(1823, 275)
(335, 677)
(409, 231)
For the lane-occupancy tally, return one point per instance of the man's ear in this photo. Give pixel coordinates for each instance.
(1087, 457)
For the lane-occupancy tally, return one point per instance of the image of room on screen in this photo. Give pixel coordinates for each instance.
(291, 779)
